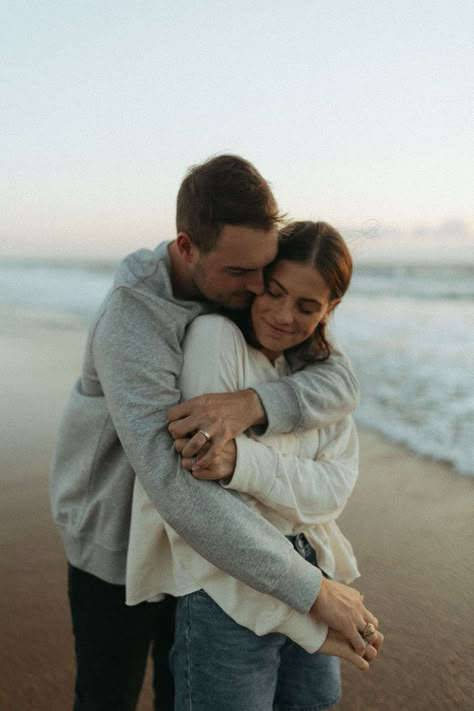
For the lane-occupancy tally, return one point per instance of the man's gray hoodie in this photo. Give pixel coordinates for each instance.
(115, 427)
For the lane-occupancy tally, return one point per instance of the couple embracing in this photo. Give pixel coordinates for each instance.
(203, 459)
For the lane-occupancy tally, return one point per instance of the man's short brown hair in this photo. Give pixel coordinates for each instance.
(225, 190)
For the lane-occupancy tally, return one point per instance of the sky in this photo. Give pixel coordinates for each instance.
(358, 113)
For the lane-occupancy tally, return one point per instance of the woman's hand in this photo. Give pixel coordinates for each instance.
(221, 416)
(342, 608)
(221, 467)
(336, 645)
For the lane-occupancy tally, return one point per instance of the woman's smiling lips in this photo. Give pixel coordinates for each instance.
(276, 329)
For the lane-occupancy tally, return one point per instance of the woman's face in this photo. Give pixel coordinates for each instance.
(296, 299)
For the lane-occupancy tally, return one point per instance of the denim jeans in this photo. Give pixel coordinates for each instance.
(112, 643)
(220, 666)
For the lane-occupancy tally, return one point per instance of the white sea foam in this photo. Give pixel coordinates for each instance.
(415, 361)
(409, 331)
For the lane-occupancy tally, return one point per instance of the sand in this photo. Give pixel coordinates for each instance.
(410, 521)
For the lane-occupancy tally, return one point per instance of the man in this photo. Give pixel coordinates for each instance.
(115, 426)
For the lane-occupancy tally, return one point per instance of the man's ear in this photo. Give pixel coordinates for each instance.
(187, 249)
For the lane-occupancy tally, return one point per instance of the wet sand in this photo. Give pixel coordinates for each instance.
(410, 521)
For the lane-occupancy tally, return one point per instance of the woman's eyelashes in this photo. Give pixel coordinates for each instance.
(276, 294)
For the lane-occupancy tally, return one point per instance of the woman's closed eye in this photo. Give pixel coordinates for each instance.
(273, 292)
(309, 307)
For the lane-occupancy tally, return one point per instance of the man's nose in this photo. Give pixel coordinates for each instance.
(255, 283)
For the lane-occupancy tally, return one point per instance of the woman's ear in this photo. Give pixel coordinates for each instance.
(331, 307)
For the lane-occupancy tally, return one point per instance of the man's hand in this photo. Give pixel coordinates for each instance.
(223, 416)
(222, 467)
(342, 608)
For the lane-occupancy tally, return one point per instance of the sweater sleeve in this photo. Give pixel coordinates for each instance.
(138, 359)
(304, 491)
(315, 397)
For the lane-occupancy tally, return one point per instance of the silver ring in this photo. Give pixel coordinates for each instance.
(206, 434)
(193, 461)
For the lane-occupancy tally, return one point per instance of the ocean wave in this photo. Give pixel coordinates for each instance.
(424, 282)
(414, 361)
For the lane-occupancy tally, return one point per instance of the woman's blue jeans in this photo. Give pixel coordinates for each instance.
(220, 666)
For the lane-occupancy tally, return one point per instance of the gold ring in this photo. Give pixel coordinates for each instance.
(369, 632)
(206, 434)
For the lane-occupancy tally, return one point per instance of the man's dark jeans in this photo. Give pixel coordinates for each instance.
(112, 643)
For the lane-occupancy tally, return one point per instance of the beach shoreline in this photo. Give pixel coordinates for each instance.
(410, 522)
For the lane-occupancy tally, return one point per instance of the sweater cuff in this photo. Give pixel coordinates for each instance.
(305, 631)
(255, 468)
(281, 405)
(299, 586)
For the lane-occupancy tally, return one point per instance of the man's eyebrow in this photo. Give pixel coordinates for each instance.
(242, 269)
(300, 298)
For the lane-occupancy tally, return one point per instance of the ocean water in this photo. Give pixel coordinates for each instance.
(76, 288)
(410, 336)
(409, 331)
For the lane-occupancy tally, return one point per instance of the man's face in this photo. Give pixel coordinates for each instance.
(232, 273)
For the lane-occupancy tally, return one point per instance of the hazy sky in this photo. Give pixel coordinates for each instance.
(355, 111)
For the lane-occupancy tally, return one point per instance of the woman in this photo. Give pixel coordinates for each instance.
(235, 648)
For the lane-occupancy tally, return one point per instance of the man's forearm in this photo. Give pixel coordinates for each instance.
(218, 524)
(230, 535)
(315, 397)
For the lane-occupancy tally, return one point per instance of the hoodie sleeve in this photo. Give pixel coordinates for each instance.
(315, 397)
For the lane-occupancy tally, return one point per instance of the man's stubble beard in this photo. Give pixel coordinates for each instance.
(227, 301)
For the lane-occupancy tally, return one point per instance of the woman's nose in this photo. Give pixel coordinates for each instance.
(283, 312)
